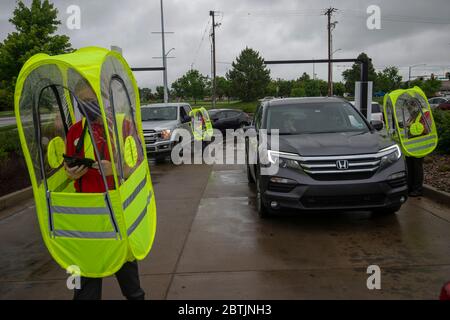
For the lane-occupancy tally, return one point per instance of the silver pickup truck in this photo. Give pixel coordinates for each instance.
(159, 122)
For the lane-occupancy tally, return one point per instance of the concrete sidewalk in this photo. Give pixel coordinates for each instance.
(27, 270)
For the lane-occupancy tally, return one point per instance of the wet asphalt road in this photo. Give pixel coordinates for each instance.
(210, 244)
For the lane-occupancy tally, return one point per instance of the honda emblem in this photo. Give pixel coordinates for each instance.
(342, 164)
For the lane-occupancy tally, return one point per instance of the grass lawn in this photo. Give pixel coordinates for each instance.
(8, 113)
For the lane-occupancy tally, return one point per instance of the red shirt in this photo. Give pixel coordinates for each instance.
(92, 181)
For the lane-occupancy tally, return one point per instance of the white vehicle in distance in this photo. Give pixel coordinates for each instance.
(377, 111)
(159, 122)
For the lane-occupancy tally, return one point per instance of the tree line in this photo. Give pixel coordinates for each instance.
(249, 79)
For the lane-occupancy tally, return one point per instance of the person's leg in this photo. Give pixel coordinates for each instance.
(128, 278)
(418, 179)
(410, 172)
(91, 289)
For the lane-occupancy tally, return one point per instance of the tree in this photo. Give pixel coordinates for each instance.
(354, 74)
(160, 92)
(249, 75)
(298, 89)
(223, 87)
(145, 94)
(338, 88)
(387, 80)
(35, 28)
(429, 86)
(191, 85)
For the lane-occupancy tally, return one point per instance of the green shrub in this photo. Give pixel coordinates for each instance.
(9, 143)
(442, 119)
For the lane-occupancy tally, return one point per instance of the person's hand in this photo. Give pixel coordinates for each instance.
(106, 166)
(76, 172)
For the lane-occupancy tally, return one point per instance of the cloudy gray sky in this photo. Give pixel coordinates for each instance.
(412, 32)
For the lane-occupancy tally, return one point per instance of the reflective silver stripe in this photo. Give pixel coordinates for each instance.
(85, 234)
(140, 217)
(420, 140)
(79, 210)
(136, 191)
(422, 147)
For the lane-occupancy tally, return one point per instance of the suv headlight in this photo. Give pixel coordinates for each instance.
(392, 154)
(283, 159)
(165, 134)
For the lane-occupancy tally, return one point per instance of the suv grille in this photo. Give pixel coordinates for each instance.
(342, 201)
(341, 167)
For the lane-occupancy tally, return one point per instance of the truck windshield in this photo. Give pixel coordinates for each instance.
(305, 118)
(159, 113)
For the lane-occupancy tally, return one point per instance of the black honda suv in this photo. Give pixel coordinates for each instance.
(328, 157)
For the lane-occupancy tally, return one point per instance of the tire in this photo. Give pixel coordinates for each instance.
(249, 175)
(263, 211)
(247, 166)
(387, 210)
(160, 158)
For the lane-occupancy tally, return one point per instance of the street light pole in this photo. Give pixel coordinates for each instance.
(164, 56)
(410, 68)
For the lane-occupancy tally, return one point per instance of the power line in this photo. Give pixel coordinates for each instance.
(200, 44)
(351, 13)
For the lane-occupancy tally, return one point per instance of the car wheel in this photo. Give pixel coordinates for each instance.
(249, 175)
(263, 211)
(160, 158)
(387, 210)
(247, 166)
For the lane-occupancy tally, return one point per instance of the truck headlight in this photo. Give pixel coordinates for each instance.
(165, 134)
(392, 154)
(283, 159)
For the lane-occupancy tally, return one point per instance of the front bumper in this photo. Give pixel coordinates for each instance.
(160, 147)
(375, 192)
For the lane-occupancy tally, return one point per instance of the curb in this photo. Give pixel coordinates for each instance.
(437, 195)
(15, 198)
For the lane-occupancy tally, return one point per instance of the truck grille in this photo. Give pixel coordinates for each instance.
(347, 167)
(151, 136)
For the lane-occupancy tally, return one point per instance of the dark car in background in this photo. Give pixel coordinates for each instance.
(437, 101)
(329, 157)
(223, 119)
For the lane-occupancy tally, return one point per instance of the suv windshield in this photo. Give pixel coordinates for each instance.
(159, 113)
(304, 118)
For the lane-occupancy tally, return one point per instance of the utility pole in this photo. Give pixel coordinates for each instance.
(329, 12)
(164, 56)
(213, 57)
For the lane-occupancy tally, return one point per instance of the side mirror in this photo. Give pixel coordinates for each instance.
(185, 119)
(377, 124)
